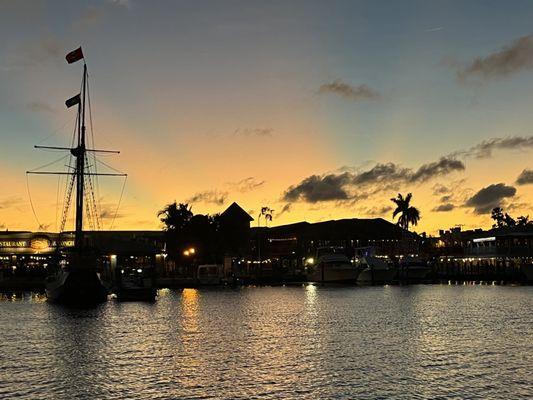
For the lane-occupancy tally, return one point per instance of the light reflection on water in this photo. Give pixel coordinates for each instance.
(282, 342)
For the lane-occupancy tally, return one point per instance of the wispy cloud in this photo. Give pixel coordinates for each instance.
(487, 147)
(40, 106)
(246, 185)
(34, 52)
(511, 59)
(209, 196)
(354, 93)
(435, 29)
(11, 201)
(247, 132)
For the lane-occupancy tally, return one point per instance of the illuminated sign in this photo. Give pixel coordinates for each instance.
(486, 239)
(40, 243)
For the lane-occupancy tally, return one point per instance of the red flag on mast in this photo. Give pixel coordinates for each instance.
(74, 55)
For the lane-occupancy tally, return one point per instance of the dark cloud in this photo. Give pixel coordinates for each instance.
(445, 199)
(247, 184)
(485, 148)
(489, 197)
(209, 196)
(516, 57)
(39, 106)
(339, 186)
(355, 93)
(444, 207)
(525, 177)
(442, 167)
(247, 132)
(319, 188)
(381, 173)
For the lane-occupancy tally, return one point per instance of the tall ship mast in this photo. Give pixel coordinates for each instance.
(76, 280)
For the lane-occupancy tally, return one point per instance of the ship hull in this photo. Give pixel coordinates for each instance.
(78, 286)
(376, 276)
(329, 274)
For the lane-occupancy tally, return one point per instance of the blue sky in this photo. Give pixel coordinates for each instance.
(208, 94)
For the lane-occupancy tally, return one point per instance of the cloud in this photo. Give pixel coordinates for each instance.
(246, 185)
(485, 148)
(525, 177)
(377, 211)
(123, 3)
(380, 177)
(247, 132)
(317, 188)
(34, 52)
(441, 167)
(11, 201)
(436, 29)
(209, 196)
(489, 197)
(39, 106)
(90, 16)
(355, 93)
(439, 189)
(511, 59)
(444, 207)
(286, 209)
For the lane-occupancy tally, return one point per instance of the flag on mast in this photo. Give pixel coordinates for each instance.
(73, 101)
(74, 55)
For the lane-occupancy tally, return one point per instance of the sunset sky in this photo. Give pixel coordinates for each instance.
(320, 110)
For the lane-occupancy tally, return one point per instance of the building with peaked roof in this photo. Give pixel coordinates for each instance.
(235, 230)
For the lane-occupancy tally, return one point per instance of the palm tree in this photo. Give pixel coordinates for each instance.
(175, 217)
(409, 215)
(266, 212)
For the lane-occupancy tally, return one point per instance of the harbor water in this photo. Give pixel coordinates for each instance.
(299, 342)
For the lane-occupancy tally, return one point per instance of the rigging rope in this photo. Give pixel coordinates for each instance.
(31, 201)
(119, 201)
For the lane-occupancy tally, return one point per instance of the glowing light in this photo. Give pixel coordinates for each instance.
(310, 261)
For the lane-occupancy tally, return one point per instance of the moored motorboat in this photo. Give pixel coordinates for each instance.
(413, 269)
(136, 284)
(375, 271)
(332, 266)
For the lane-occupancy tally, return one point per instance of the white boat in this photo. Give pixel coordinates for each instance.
(210, 274)
(332, 266)
(414, 268)
(375, 271)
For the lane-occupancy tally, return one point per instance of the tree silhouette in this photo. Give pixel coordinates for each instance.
(267, 213)
(502, 220)
(175, 217)
(409, 215)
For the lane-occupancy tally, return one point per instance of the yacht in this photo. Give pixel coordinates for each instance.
(413, 268)
(375, 271)
(332, 266)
